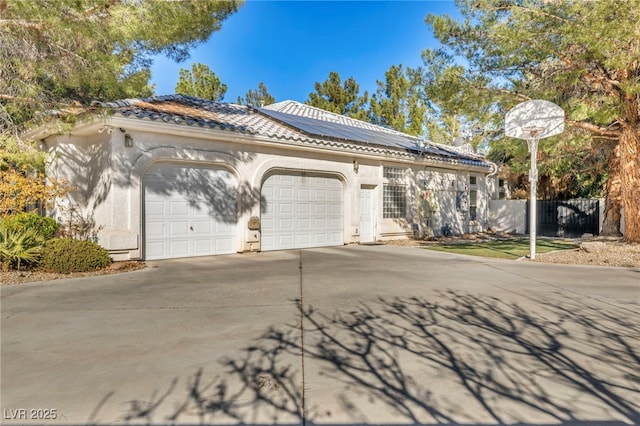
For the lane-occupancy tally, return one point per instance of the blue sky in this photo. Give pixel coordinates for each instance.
(289, 45)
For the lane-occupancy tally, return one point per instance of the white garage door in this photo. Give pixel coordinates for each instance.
(189, 211)
(301, 211)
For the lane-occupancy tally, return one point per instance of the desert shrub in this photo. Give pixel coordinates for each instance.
(18, 247)
(45, 226)
(66, 255)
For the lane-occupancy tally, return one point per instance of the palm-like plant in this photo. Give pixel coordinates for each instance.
(19, 247)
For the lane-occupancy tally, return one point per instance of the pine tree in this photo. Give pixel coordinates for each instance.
(583, 56)
(258, 98)
(338, 97)
(399, 102)
(201, 82)
(61, 54)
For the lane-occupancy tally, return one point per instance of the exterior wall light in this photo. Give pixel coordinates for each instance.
(356, 166)
(128, 140)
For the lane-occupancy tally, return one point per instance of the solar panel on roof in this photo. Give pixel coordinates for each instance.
(321, 128)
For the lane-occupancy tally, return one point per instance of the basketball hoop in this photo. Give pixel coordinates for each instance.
(534, 120)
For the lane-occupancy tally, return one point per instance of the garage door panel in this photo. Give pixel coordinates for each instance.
(286, 241)
(320, 195)
(202, 246)
(178, 248)
(155, 229)
(285, 208)
(303, 194)
(178, 208)
(225, 245)
(182, 222)
(202, 227)
(303, 224)
(312, 217)
(320, 209)
(304, 239)
(155, 208)
(303, 209)
(285, 193)
(285, 224)
(178, 228)
(335, 195)
(154, 249)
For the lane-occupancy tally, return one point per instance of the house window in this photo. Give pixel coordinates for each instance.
(501, 190)
(393, 172)
(473, 204)
(394, 204)
(473, 198)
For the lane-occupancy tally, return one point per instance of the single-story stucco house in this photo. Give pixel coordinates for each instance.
(176, 176)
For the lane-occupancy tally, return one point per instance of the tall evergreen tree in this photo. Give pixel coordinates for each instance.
(201, 82)
(258, 97)
(399, 102)
(65, 53)
(338, 97)
(584, 56)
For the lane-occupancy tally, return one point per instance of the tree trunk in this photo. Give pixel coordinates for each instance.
(630, 182)
(630, 168)
(613, 201)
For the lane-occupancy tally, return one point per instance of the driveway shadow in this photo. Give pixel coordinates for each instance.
(459, 358)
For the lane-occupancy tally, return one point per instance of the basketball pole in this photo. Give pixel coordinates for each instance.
(533, 120)
(533, 179)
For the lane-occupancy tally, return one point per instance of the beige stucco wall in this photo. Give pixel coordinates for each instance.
(109, 177)
(508, 216)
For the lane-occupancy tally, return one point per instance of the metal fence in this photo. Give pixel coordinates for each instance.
(569, 218)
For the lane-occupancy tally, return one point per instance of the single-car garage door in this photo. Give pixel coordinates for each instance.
(301, 210)
(189, 211)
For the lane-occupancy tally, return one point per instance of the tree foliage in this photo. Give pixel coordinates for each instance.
(584, 56)
(399, 102)
(64, 53)
(57, 56)
(201, 82)
(258, 97)
(341, 98)
(20, 191)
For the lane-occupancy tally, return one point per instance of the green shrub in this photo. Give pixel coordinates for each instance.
(45, 226)
(19, 247)
(65, 255)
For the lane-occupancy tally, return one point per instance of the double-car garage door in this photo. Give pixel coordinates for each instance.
(191, 211)
(301, 210)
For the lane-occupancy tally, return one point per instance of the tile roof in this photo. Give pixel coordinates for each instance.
(275, 121)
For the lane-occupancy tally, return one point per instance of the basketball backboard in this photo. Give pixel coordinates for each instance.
(534, 119)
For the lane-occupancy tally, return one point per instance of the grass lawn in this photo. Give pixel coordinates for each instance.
(507, 249)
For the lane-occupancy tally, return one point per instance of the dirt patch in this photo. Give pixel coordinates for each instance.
(20, 277)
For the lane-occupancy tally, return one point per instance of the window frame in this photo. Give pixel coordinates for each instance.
(394, 192)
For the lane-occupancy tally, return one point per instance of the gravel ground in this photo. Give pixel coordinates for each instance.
(19, 277)
(602, 252)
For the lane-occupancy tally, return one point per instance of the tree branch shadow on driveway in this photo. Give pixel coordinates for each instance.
(460, 358)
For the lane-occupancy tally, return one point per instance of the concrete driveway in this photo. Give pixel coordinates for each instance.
(351, 335)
